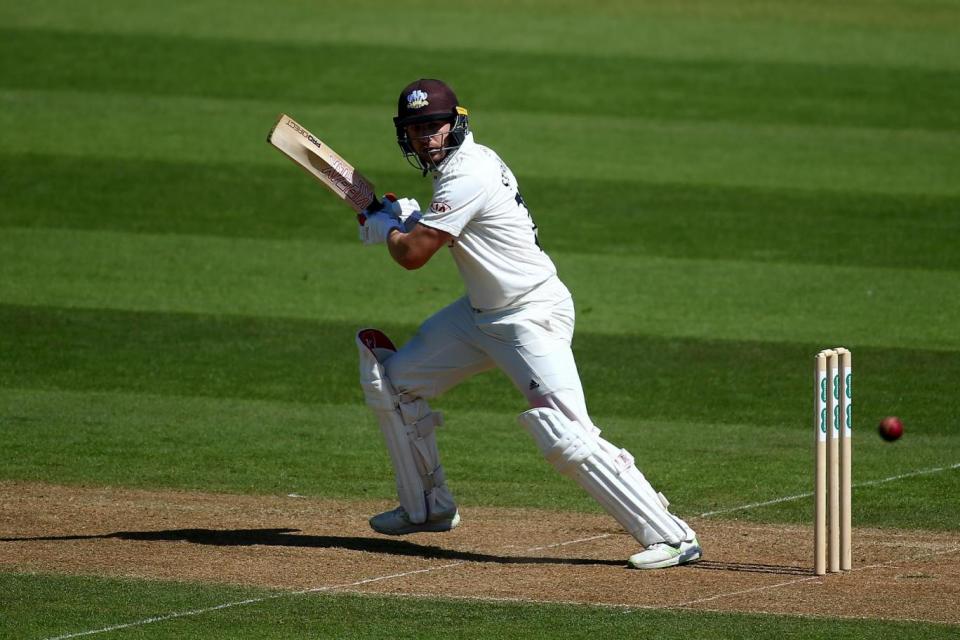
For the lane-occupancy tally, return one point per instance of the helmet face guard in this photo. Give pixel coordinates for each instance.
(429, 100)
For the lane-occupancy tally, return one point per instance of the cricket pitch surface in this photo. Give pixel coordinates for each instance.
(523, 555)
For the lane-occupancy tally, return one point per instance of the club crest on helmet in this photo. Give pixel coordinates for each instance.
(417, 99)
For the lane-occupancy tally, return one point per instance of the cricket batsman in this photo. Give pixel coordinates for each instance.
(516, 315)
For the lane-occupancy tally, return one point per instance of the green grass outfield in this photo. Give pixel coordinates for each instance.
(100, 604)
(727, 187)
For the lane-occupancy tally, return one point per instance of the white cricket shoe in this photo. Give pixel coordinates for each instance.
(397, 522)
(661, 554)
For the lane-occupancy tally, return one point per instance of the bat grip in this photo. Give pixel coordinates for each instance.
(377, 205)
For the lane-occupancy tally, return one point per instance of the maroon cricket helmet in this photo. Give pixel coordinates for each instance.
(426, 100)
(429, 100)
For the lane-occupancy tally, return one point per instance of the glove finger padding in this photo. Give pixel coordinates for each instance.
(403, 208)
(376, 228)
(392, 213)
(407, 211)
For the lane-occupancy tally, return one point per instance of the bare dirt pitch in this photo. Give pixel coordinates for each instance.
(527, 555)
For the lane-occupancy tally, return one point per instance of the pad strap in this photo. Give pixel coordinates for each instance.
(413, 416)
(434, 479)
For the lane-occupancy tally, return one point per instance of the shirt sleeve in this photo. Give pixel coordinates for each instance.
(456, 200)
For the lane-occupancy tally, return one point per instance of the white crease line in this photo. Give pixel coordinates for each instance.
(228, 605)
(739, 593)
(809, 494)
(196, 612)
(182, 614)
(810, 578)
(563, 544)
(889, 563)
(336, 587)
(628, 608)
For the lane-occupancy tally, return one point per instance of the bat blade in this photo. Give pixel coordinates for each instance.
(322, 162)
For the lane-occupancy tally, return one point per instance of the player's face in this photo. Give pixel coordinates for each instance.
(428, 139)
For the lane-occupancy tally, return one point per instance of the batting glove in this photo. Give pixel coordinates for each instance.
(385, 204)
(407, 211)
(376, 227)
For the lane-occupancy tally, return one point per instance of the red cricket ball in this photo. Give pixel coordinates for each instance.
(890, 428)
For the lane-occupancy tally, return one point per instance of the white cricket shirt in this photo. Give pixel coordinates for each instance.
(476, 200)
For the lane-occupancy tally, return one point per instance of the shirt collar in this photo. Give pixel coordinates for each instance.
(467, 141)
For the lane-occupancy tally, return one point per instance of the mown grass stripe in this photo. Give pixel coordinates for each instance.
(755, 92)
(638, 376)
(918, 34)
(243, 445)
(616, 294)
(568, 147)
(689, 220)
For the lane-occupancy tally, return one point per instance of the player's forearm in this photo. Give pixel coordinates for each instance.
(405, 252)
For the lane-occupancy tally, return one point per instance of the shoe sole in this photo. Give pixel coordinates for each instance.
(687, 557)
(426, 527)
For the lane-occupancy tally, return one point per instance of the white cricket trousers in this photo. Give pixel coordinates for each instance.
(529, 342)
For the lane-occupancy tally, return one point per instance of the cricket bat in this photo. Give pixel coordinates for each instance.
(324, 164)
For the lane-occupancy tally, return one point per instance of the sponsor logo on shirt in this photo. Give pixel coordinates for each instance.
(439, 206)
(417, 99)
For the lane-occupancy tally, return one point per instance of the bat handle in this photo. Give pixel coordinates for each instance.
(376, 205)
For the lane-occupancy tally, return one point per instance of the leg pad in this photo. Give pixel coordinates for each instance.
(408, 426)
(605, 472)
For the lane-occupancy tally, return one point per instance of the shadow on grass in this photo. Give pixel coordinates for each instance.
(785, 570)
(289, 538)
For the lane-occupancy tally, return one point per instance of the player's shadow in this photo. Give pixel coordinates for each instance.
(786, 570)
(289, 538)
